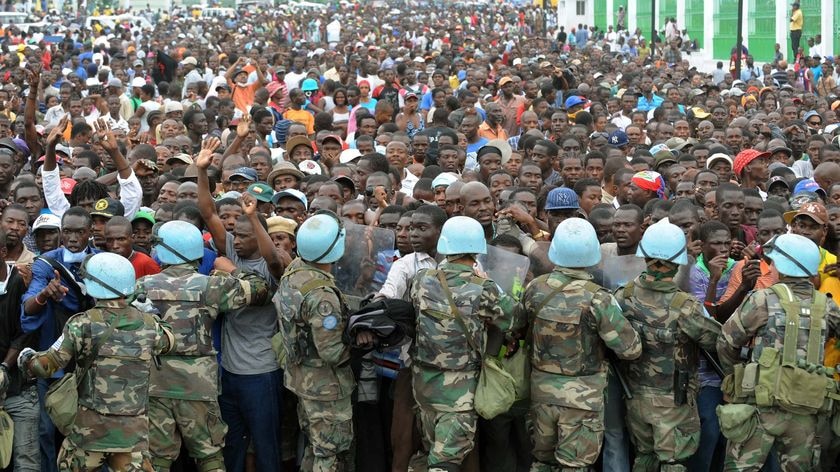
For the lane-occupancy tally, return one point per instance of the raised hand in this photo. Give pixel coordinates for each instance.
(205, 156)
(244, 126)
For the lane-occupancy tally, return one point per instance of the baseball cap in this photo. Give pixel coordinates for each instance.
(809, 185)
(743, 158)
(776, 180)
(146, 214)
(46, 221)
(290, 193)
(348, 155)
(309, 167)
(717, 156)
(284, 168)
(172, 105)
(814, 210)
(503, 146)
(562, 198)
(574, 101)
(190, 60)
(677, 144)
(345, 181)
(181, 157)
(246, 173)
(223, 87)
(138, 82)
(446, 179)
(504, 80)
(261, 191)
(700, 113)
(67, 185)
(409, 95)
(280, 224)
(618, 138)
(115, 83)
(108, 207)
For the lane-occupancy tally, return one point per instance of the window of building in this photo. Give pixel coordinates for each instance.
(580, 7)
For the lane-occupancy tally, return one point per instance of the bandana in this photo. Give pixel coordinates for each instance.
(658, 270)
(651, 181)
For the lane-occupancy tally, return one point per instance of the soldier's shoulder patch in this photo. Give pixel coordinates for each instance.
(330, 322)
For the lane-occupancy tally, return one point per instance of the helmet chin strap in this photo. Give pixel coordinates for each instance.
(791, 258)
(107, 286)
(173, 251)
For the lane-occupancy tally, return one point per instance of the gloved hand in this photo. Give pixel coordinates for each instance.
(23, 359)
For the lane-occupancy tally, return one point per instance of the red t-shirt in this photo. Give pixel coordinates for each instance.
(143, 265)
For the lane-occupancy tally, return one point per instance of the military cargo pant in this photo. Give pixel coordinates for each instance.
(795, 438)
(565, 439)
(197, 423)
(448, 436)
(74, 459)
(329, 427)
(665, 435)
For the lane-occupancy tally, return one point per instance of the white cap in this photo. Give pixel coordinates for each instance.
(348, 155)
(716, 156)
(91, 81)
(171, 106)
(446, 179)
(138, 82)
(189, 60)
(46, 220)
(310, 167)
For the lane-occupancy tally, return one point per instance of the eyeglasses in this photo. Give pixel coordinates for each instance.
(814, 123)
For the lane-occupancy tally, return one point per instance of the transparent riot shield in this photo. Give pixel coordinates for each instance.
(506, 268)
(616, 271)
(368, 254)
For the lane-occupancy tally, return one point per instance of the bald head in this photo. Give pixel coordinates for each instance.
(477, 203)
(827, 174)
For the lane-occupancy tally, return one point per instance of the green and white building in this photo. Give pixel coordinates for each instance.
(713, 23)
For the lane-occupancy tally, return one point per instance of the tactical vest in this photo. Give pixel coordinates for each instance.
(666, 350)
(183, 307)
(561, 343)
(295, 332)
(441, 341)
(117, 382)
(786, 367)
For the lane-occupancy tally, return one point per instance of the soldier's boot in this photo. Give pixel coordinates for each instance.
(212, 463)
(673, 467)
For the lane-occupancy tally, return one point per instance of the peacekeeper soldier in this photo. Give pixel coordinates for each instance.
(113, 345)
(313, 318)
(572, 321)
(183, 402)
(662, 415)
(776, 382)
(458, 312)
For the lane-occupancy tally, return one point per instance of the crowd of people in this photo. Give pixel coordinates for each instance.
(271, 241)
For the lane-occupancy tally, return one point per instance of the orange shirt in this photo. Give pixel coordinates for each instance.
(768, 277)
(243, 97)
(301, 116)
(485, 131)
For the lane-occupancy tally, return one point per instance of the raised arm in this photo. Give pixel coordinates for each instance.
(206, 205)
(30, 135)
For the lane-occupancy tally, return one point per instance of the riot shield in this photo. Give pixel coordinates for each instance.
(506, 268)
(616, 271)
(368, 254)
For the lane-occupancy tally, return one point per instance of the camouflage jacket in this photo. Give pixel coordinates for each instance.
(572, 322)
(113, 395)
(189, 302)
(670, 334)
(312, 319)
(761, 320)
(446, 366)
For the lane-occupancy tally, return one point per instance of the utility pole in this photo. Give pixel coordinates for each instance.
(740, 39)
(653, 27)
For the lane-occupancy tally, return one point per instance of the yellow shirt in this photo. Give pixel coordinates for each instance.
(830, 285)
(796, 20)
(301, 116)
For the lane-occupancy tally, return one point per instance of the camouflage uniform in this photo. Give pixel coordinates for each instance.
(312, 318)
(445, 369)
(762, 324)
(671, 324)
(112, 423)
(572, 322)
(184, 390)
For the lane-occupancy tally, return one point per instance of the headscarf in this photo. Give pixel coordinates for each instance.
(651, 181)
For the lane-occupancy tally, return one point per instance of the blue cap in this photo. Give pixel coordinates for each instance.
(574, 101)
(808, 185)
(562, 198)
(246, 173)
(810, 115)
(618, 138)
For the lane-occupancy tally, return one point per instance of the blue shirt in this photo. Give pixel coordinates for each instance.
(698, 281)
(647, 105)
(44, 322)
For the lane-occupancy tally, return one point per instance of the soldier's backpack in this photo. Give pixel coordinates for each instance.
(802, 386)
(62, 399)
(496, 390)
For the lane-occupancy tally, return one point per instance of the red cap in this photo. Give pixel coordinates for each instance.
(67, 185)
(745, 157)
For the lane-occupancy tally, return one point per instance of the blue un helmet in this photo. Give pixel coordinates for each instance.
(178, 242)
(462, 235)
(116, 269)
(793, 255)
(575, 244)
(320, 239)
(665, 242)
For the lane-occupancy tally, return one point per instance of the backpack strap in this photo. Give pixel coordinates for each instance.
(452, 306)
(791, 322)
(680, 298)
